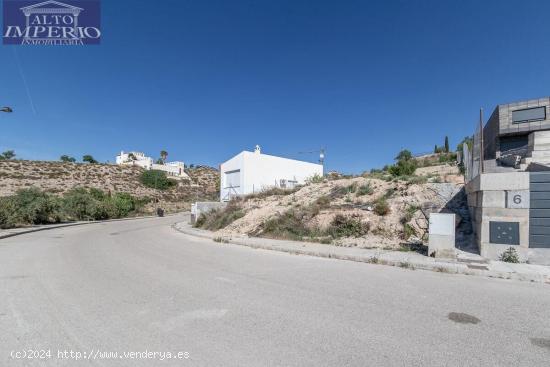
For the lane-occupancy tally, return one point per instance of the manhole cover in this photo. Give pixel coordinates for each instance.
(541, 342)
(463, 318)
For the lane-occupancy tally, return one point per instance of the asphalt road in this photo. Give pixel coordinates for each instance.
(140, 286)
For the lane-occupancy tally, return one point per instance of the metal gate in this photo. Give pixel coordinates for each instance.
(539, 212)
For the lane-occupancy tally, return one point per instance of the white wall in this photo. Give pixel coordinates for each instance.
(171, 168)
(261, 171)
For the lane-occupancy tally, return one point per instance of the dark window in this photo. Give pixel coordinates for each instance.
(511, 144)
(529, 114)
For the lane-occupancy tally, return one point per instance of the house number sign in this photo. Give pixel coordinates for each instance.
(517, 199)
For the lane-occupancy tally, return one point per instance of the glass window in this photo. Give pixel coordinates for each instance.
(529, 114)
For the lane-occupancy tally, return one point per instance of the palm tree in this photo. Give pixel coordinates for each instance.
(163, 155)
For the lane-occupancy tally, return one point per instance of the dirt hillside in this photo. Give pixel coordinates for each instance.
(357, 200)
(59, 177)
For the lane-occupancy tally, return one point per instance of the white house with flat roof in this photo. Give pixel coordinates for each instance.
(250, 172)
(174, 169)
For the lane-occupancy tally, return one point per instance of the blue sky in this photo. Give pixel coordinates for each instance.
(205, 79)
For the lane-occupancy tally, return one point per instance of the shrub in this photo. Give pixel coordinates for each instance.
(66, 158)
(156, 179)
(341, 191)
(274, 191)
(345, 226)
(322, 202)
(408, 231)
(32, 206)
(7, 155)
(289, 225)
(86, 204)
(416, 180)
(88, 158)
(409, 213)
(381, 207)
(389, 193)
(447, 157)
(220, 218)
(316, 178)
(379, 174)
(365, 189)
(220, 240)
(35, 207)
(97, 193)
(292, 223)
(405, 165)
(403, 168)
(404, 155)
(124, 204)
(79, 204)
(101, 210)
(8, 211)
(338, 192)
(510, 255)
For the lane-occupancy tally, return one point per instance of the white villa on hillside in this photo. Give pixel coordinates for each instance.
(174, 169)
(250, 172)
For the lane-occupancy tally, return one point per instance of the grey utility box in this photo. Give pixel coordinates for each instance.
(442, 235)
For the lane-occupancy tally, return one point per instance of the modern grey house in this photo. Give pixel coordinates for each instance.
(518, 133)
(509, 186)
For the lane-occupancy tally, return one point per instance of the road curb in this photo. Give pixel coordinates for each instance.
(48, 227)
(435, 266)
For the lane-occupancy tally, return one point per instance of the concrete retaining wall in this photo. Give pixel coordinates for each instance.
(201, 207)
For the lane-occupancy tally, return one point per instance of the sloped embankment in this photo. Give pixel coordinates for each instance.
(362, 211)
(60, 177)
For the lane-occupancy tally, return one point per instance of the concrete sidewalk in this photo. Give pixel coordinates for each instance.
(411, 260)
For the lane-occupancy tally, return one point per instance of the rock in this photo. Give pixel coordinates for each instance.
(419, 223)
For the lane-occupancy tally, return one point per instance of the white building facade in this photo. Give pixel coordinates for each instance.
(174, 169)
(250, 172)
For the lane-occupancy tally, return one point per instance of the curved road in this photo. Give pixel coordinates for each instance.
(139, 286)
